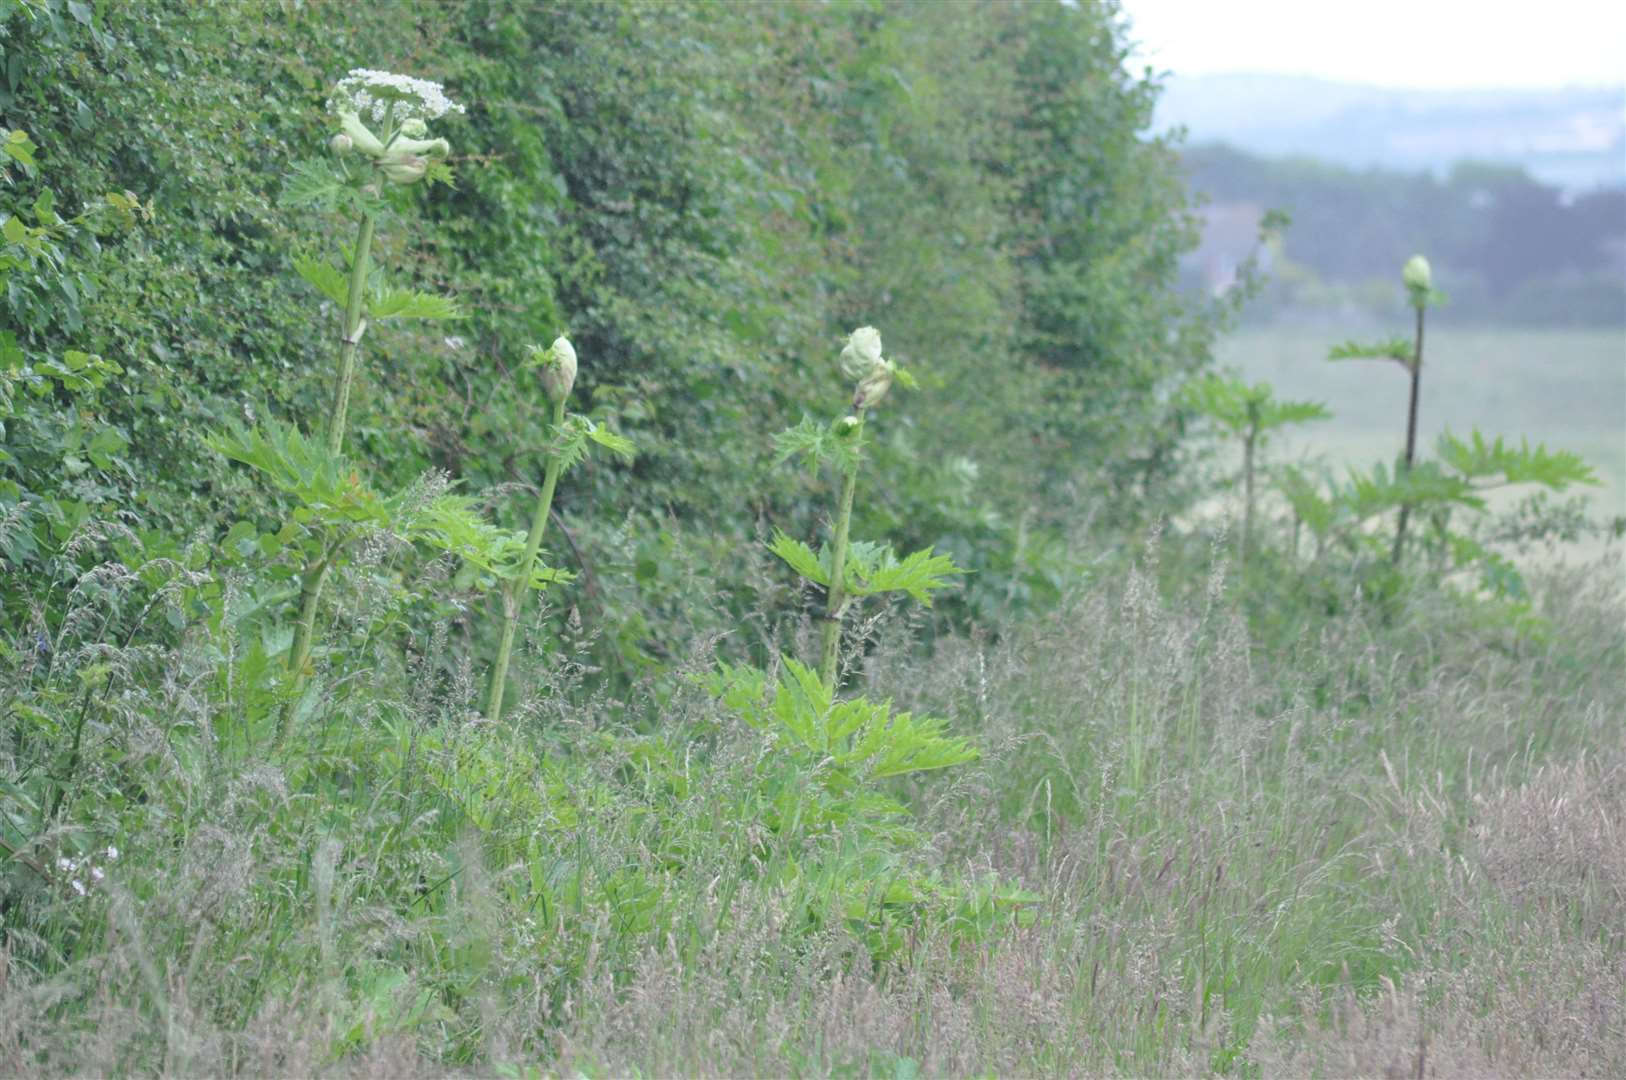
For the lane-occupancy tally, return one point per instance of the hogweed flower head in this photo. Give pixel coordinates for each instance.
(558, 364)
(862, 353)
(404, 104)
(378, 94)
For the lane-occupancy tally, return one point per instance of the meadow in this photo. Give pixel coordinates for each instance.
(569, 570)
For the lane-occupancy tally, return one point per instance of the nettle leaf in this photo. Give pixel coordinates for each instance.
(800, 558)
(1398, 349)
(20, 148)
(873, 568)
(1477, 459)
(392, 303)
(328, 279)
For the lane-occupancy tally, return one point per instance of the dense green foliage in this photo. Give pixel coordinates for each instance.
(253, 817)
(705, 200)
(1515, 249)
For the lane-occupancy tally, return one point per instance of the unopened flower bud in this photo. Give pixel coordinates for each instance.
(1418, 277)
(558, 365)
(861, 354)
(362, 138)
(874, 386)
(405, 169)
(413, 127)
(846, 427)
(341, 144)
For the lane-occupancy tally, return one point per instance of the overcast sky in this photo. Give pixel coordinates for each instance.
(1436, 44)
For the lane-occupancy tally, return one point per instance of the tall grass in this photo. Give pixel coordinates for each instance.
(1395, 847)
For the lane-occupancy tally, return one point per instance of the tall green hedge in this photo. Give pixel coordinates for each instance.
(705, 197)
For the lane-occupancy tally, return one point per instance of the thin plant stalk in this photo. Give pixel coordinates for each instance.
(1248, 442)
(315, 575)
(837, 595)
(1411, 433)
(353, 329)
(515, 589)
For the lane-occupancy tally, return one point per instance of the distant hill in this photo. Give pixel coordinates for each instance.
(1574, 139)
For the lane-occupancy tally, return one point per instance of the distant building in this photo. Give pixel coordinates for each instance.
(1230, 238)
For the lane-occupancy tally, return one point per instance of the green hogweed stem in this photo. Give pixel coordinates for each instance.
(514, 590)
(354, 327)
(831, 651)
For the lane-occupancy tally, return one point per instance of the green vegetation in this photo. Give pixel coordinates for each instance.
(1517, 251)
(1090, 806)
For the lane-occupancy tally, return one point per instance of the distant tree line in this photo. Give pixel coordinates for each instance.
(1509, 247)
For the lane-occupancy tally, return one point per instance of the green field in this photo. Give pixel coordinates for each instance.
(1564, 388)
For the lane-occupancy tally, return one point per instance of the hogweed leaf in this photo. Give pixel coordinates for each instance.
(315, 185)
(328, 279)
(800, 558)
(619, 445)
(1398, 349)
(393, 303)
(1477, 459)
(872, 569)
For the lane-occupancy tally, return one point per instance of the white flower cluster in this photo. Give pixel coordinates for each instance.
(80, 868)
(370, 93)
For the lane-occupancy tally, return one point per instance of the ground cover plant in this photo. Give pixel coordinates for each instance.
(293, 782)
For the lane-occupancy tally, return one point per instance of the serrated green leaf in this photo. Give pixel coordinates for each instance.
(801, 558)
(1397, 348)
(390, 303)
(328, 279)
(872, 569)
(618, 445)
(314, 185)
(1477, 459)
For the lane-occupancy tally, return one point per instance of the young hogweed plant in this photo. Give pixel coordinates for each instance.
(849, 571)
(1249, 413)
(1457, 479)
(556, 366)
(1418, 278)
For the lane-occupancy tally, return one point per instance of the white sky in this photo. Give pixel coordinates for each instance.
(1434, 44)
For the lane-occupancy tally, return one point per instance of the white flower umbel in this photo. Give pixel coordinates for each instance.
(377, 94)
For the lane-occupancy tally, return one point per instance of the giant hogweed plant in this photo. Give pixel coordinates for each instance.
(835, 755)
(1462, 473)
(1418, 278)
(571, 435)
(848, 570)
(378, 154)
